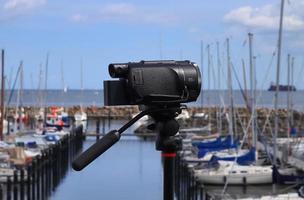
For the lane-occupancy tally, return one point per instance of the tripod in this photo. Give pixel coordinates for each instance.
(166, 141)
(169, 144)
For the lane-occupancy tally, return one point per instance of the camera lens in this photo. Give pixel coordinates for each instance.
(118, 70)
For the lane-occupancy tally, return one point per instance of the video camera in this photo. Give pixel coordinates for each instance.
(152, 83)
(161, 86)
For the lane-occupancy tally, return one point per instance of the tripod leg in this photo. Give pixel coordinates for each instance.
(169, 162)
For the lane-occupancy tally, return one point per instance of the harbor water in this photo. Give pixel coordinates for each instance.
(130, 170)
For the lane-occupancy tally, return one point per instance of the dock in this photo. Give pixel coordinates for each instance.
(38, 178)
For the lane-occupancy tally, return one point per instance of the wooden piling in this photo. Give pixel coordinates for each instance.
(28, 182)
(38, 176)
(97, 128)
(9, 188)
(33, 186)
(103, 126)
(15, 187)
(22, 184)
(109, 119)
(43, 175)
(1, 191)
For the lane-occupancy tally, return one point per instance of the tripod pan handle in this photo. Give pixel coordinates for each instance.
(95, 150)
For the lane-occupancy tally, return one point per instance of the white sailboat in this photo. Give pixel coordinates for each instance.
(288, 196)
(234, 174)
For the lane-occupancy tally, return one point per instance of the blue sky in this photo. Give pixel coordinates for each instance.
(101, 32)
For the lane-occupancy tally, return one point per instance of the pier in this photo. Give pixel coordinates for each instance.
(40, 176)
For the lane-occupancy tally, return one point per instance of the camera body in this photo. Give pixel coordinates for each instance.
(152, 83)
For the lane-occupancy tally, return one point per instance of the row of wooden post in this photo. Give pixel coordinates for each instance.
(186, 187)
(39, 179)
(103, 125)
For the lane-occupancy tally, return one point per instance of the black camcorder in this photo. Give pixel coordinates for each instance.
(161, 87)
(152, 83)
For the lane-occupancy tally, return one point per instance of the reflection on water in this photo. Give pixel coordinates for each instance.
(131, 169)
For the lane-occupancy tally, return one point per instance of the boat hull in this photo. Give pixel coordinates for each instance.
(238, 179)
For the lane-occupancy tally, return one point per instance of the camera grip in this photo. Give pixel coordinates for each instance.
(95, 150)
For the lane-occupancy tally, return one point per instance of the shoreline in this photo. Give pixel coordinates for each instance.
(127, 112)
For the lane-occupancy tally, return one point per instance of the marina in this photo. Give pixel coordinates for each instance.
(137, 100)
(188, 185)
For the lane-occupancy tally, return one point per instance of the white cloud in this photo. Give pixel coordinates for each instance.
(118, 9)
(10, 9)
(22, 5)
(125, 13)
(267, 17)
(79, 18)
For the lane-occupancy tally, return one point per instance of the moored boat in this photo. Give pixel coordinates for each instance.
(234, 174)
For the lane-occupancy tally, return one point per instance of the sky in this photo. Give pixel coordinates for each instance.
(96, 33)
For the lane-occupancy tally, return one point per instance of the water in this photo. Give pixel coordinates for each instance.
(57, 98)
(95, 98)
(130, 170)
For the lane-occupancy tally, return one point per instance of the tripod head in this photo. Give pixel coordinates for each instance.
(167, 127)
(166, 141)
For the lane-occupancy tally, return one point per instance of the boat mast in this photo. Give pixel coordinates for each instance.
(245, 89)
(208, 97)
(2, 94)
(277, 86)
(18, 112)
(219, 86)
(291, 95)
(245, 79)
(254, 139)
(20, 98)
(81, 84)
(202, 63)
(40, 94)
(230, 91)
(288, 96)
(62, 82)
(45, 87)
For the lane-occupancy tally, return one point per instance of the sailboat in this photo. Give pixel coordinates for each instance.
(229, 169)
(234, 174)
